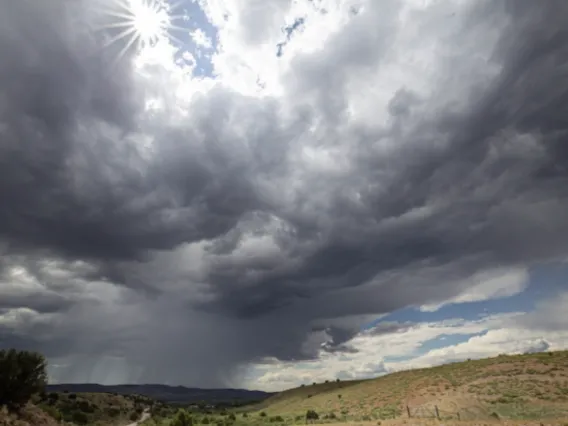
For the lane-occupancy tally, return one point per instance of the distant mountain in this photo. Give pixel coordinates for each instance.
(172, 394)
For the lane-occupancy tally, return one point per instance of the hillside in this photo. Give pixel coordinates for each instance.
(170, 394)
(532, 386)
(29, 416)
(92, 408)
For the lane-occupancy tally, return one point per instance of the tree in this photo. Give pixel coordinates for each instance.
(22, 374)
(182, 418)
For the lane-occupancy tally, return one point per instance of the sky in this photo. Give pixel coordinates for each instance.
(266, 193)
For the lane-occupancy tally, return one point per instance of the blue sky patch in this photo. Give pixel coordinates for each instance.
(189, 17)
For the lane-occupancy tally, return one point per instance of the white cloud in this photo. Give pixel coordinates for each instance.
(487, 285)
(510, 333)
(201, 39)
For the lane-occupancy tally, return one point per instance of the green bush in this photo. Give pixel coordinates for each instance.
(312, 415)
(262, 414)
(22, 374)
(276, 419)
(205, 421)
(134, 416)
(80, 418)
(51, 411)
(85, 407)
(182, 418)
(232, 417)
(113, 412)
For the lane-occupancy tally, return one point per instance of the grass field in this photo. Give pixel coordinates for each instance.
(527, 390)
(533, 386)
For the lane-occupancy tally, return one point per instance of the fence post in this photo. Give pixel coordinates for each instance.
(437, 412)
(459, 417)
(408, 411)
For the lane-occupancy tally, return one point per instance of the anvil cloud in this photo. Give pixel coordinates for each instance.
(159, 227)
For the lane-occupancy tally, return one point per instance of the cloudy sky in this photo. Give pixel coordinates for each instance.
(264, 193)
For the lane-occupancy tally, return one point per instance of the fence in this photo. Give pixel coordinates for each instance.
(434, 412)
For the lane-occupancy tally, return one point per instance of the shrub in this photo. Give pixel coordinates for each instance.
(51, 411)
(232, 417)
(312, 415)
(205, 421)
(262, 414)
(85, 407)
(80, 418)
(72, 396)
(245, 415)
(22, 374)
(113, 412)
(276, 419)
(133, 416)
(182, 418)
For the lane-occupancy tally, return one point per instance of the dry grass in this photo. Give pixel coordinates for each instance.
(533, 386)
(29, 416)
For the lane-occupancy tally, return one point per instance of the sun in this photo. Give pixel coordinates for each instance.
(149, 19)
(139, 23)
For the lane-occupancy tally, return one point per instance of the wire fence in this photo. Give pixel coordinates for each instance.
(434, 412)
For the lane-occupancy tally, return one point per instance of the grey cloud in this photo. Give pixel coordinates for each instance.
(217, 245)
(389, 327)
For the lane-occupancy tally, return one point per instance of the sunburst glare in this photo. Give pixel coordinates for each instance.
(140, 23)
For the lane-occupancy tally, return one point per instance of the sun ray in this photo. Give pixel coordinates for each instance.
(115, 25)
(123, 51)
(122, 34)
(174, 38)
(140, 24)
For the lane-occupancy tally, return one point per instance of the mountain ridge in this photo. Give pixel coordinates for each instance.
(167, 393)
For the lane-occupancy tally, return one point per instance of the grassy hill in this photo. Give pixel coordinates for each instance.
(92, 408)
(532, 386)
(30, 415)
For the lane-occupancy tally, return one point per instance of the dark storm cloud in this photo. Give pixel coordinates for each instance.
(239, 250)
